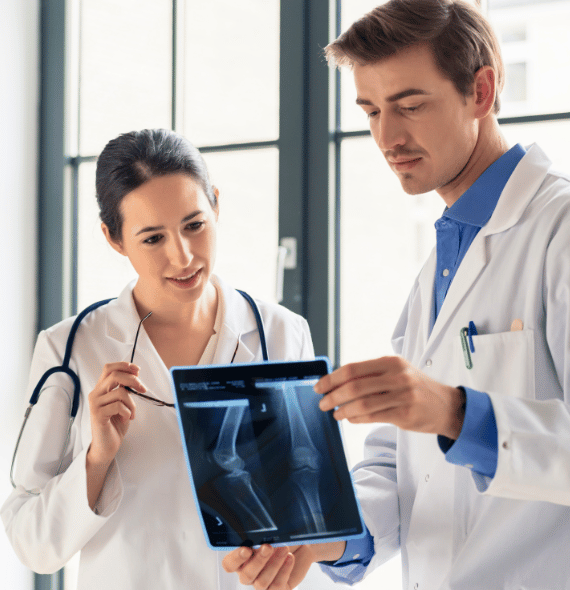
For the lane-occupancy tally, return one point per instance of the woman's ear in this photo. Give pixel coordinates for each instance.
(217, 194)
(117, 246)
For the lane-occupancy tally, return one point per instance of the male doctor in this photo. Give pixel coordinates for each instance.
(468, 474)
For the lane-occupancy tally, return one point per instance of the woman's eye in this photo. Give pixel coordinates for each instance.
(152, 239)
(195, 225)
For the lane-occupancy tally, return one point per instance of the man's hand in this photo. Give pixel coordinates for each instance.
(279, 568)
(390, 389)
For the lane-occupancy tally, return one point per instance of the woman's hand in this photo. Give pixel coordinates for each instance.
(111, 408)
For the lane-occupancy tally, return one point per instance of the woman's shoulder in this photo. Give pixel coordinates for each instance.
(270, 311)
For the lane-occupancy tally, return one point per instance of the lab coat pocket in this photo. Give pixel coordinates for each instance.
(503, 364)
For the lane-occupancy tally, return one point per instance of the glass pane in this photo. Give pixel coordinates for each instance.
(126, 69)
(232, 71)
(533, 35)
(101, 272)
(248, 222)
(551, 136)
(386, 235)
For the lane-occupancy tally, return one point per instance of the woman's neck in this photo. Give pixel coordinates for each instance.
(170, 315)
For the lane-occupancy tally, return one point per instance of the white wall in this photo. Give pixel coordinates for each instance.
(19, 99)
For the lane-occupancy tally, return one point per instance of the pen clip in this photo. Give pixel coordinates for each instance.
(463, 333)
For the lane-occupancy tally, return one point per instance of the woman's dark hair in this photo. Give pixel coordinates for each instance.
(460, 37)
(133, 158)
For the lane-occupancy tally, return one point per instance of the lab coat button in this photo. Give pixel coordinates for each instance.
(505, 445)
(427, 477)
(428, 363)
(416, 586)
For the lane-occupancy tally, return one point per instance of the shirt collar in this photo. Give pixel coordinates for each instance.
(476, 205)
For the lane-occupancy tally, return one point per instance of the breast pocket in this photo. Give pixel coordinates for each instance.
(502, 364)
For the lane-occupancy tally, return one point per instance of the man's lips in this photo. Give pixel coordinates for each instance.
(404, 163)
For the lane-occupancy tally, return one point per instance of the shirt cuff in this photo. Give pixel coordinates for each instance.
(359, 551)
(477, 446)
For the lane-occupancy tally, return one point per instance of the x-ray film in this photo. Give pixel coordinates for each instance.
(266, 464)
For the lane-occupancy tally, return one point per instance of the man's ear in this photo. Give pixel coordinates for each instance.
(117, 246)
(485, 86)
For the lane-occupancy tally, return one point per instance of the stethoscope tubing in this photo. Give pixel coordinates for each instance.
(64, 368)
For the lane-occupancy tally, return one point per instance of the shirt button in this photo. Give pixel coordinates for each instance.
(446, 272)
(356, 556)
(428, 363)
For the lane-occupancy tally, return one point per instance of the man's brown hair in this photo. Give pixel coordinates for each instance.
(460, 37)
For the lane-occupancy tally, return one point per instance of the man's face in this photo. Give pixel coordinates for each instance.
(425, 128)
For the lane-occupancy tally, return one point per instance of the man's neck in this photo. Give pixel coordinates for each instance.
(490, 146)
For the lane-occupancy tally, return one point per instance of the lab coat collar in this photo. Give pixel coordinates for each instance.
(238, 320)
(519, 190)
(521, 187)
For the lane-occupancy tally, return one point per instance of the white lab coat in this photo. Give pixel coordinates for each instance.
(147, 532)
(458, 530)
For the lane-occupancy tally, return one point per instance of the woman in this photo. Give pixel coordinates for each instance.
(123, 496)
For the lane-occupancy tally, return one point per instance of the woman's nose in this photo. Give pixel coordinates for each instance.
(180, 253)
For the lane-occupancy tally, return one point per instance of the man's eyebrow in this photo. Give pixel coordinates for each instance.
(151, 228)
(406, 93)
(395, 97)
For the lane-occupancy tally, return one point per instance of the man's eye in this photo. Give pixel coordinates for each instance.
(372, 114)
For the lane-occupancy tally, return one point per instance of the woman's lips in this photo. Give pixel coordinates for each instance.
(187, 281)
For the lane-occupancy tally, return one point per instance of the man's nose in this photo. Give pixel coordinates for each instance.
(388, 132)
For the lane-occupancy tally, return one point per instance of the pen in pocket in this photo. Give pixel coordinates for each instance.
(467, 345)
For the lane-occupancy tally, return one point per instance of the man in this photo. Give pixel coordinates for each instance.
(469, 476)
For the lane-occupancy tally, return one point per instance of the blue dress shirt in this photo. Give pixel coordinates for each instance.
(476, 447)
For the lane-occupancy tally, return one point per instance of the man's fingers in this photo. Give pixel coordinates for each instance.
(236, 558)
(273, 576)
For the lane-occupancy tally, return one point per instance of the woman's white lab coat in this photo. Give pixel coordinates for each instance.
(147, 533)
(458, 530)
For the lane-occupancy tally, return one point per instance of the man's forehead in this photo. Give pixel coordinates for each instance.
(407, 73)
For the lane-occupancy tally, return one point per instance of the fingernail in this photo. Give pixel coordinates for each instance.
(265, 550)
(244, 552)
(317, 387)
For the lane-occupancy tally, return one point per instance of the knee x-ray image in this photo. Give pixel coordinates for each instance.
(266, 464)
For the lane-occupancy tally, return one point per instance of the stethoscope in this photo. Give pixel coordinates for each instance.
(64, 368)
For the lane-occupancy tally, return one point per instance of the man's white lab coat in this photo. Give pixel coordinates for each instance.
(458, 530)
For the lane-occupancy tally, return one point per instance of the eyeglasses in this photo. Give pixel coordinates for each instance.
(155, 401)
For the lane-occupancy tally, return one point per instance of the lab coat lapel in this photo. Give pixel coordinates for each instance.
(519, 190)
(238, 321)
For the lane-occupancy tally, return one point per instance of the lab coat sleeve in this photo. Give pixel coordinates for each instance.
(534, 434)
(46, 530)
(376, 488)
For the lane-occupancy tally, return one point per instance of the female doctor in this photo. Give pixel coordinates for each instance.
(123, 497)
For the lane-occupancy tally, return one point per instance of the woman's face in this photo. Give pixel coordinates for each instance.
(169, 235)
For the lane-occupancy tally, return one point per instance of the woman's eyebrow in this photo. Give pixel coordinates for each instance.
(152, 228)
